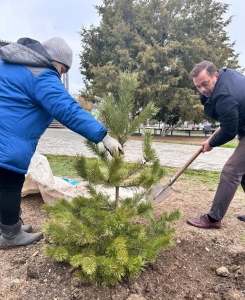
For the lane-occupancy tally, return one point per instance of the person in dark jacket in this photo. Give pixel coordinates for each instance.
(222, 93)
(31, 96)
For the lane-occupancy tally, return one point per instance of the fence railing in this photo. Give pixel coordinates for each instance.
(178, 132)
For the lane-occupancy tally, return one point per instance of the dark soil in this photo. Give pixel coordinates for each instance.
(187, 270)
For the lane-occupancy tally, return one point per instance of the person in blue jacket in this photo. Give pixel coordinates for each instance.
(31, 96)
(222, 93)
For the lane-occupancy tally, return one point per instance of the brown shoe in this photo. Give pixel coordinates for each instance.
(203, 222)
(241, 218)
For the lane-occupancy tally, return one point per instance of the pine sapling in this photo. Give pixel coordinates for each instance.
(104, 239)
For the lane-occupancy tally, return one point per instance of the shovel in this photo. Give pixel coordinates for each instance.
(160, 192)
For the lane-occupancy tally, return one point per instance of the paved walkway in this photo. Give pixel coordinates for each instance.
(64, 141)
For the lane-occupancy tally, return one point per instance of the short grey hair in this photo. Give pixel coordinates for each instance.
(204, 65)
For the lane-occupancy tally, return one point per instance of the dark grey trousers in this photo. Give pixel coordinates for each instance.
(232, 175)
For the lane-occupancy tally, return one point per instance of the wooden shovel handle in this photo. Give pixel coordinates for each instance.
(194, 156)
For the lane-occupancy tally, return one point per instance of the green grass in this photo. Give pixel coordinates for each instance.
(63, 166)
(197, 176)
(231, 144)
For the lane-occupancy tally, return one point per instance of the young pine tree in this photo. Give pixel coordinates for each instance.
(105, 239)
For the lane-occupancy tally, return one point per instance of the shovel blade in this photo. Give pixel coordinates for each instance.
(159, 193)
(163, 195)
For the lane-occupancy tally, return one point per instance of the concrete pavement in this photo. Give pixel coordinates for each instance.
(64, 141)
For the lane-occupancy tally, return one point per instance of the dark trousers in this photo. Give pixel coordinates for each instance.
(11, 184)
(232, 175)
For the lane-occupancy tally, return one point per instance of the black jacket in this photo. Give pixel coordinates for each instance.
(227, 105)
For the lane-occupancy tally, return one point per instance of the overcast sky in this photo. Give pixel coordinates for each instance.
(43, 19)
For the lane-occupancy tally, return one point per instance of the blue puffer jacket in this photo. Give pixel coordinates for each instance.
(31, 96)
(227, 105)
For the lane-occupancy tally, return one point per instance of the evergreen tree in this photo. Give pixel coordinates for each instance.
(116, 115)
(103, 239)
(161, 40)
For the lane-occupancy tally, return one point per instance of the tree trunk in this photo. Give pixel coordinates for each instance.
(117, 196)
(163, 132)
(173, 127)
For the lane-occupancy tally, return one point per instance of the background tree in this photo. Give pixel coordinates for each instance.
(86, 105)
(161, 40)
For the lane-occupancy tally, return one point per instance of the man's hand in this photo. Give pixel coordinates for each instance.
(206, 146)
(112, 145)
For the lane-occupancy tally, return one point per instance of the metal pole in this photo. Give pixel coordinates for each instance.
(65, 80)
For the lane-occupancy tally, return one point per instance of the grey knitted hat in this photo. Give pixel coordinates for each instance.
(58, 50)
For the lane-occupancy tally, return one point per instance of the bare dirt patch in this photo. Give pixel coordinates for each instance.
(187, 270)
(175, 139)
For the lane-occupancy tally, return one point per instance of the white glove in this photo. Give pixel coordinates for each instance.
(112, 145)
